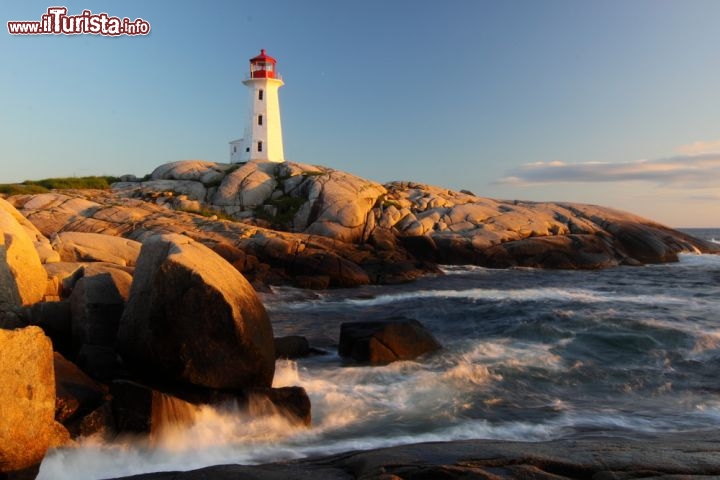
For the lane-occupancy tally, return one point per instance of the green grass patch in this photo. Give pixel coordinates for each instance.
(47, 184)
(20, 189)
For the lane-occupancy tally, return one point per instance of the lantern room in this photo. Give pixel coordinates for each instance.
(262, 66)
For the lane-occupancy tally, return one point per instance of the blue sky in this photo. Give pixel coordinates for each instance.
(613, 102)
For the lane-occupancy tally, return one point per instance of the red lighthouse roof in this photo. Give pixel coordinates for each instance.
(262, 66)
(263, 57)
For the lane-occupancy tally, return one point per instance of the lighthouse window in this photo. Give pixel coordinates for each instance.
(260, 94)
(260, 119)
(259, 146)
(235, 149)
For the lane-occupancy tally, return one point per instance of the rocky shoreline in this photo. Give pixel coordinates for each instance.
(315, 227)
(120, 306)
(673, 456)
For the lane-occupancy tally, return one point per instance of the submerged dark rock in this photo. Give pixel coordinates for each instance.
(385, 341)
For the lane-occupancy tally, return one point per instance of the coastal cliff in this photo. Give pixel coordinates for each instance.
(317, 227)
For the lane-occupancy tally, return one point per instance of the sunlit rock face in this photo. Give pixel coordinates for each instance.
(336, 204)
(306, 198)
(96, 247)
(22, 277)
(27, 399)
(316, 227)
(40, 241)
(463, 227)
(191, 317)
(249, 186)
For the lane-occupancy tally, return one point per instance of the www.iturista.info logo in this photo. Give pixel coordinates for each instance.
(57, 22)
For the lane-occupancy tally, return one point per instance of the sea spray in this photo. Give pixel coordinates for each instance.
(185, 437)
(170, 414)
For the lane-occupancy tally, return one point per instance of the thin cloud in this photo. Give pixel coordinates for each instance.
(699, 147)
(698, 171)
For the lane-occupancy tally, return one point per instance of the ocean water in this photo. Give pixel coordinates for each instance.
(528, 355)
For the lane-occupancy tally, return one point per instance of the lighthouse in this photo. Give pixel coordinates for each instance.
(263, 131)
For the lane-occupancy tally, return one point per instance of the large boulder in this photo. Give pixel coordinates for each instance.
(23, 280)
(96, 247)
(192, 317)
(249, 186)
(207, 173)
(385, 341)
(338, 203)
(27, 399)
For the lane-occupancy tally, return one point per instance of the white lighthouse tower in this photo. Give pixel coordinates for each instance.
(263, 132)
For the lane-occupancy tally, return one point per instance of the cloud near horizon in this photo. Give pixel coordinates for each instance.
(699, 147)
(686, 170)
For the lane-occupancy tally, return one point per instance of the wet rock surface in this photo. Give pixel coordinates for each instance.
(674, 456)
(385, 341)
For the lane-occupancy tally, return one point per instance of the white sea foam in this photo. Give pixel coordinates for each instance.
(463, 269)
(218, 436)
(350, 406)
(93, 460)
(580, 295)
(699, 259)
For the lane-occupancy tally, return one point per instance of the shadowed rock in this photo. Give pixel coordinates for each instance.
(55, 318)
(385, 341)
(193, 318)
(76, 393)
(97, 303)
(563, 252)
(292, 346)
